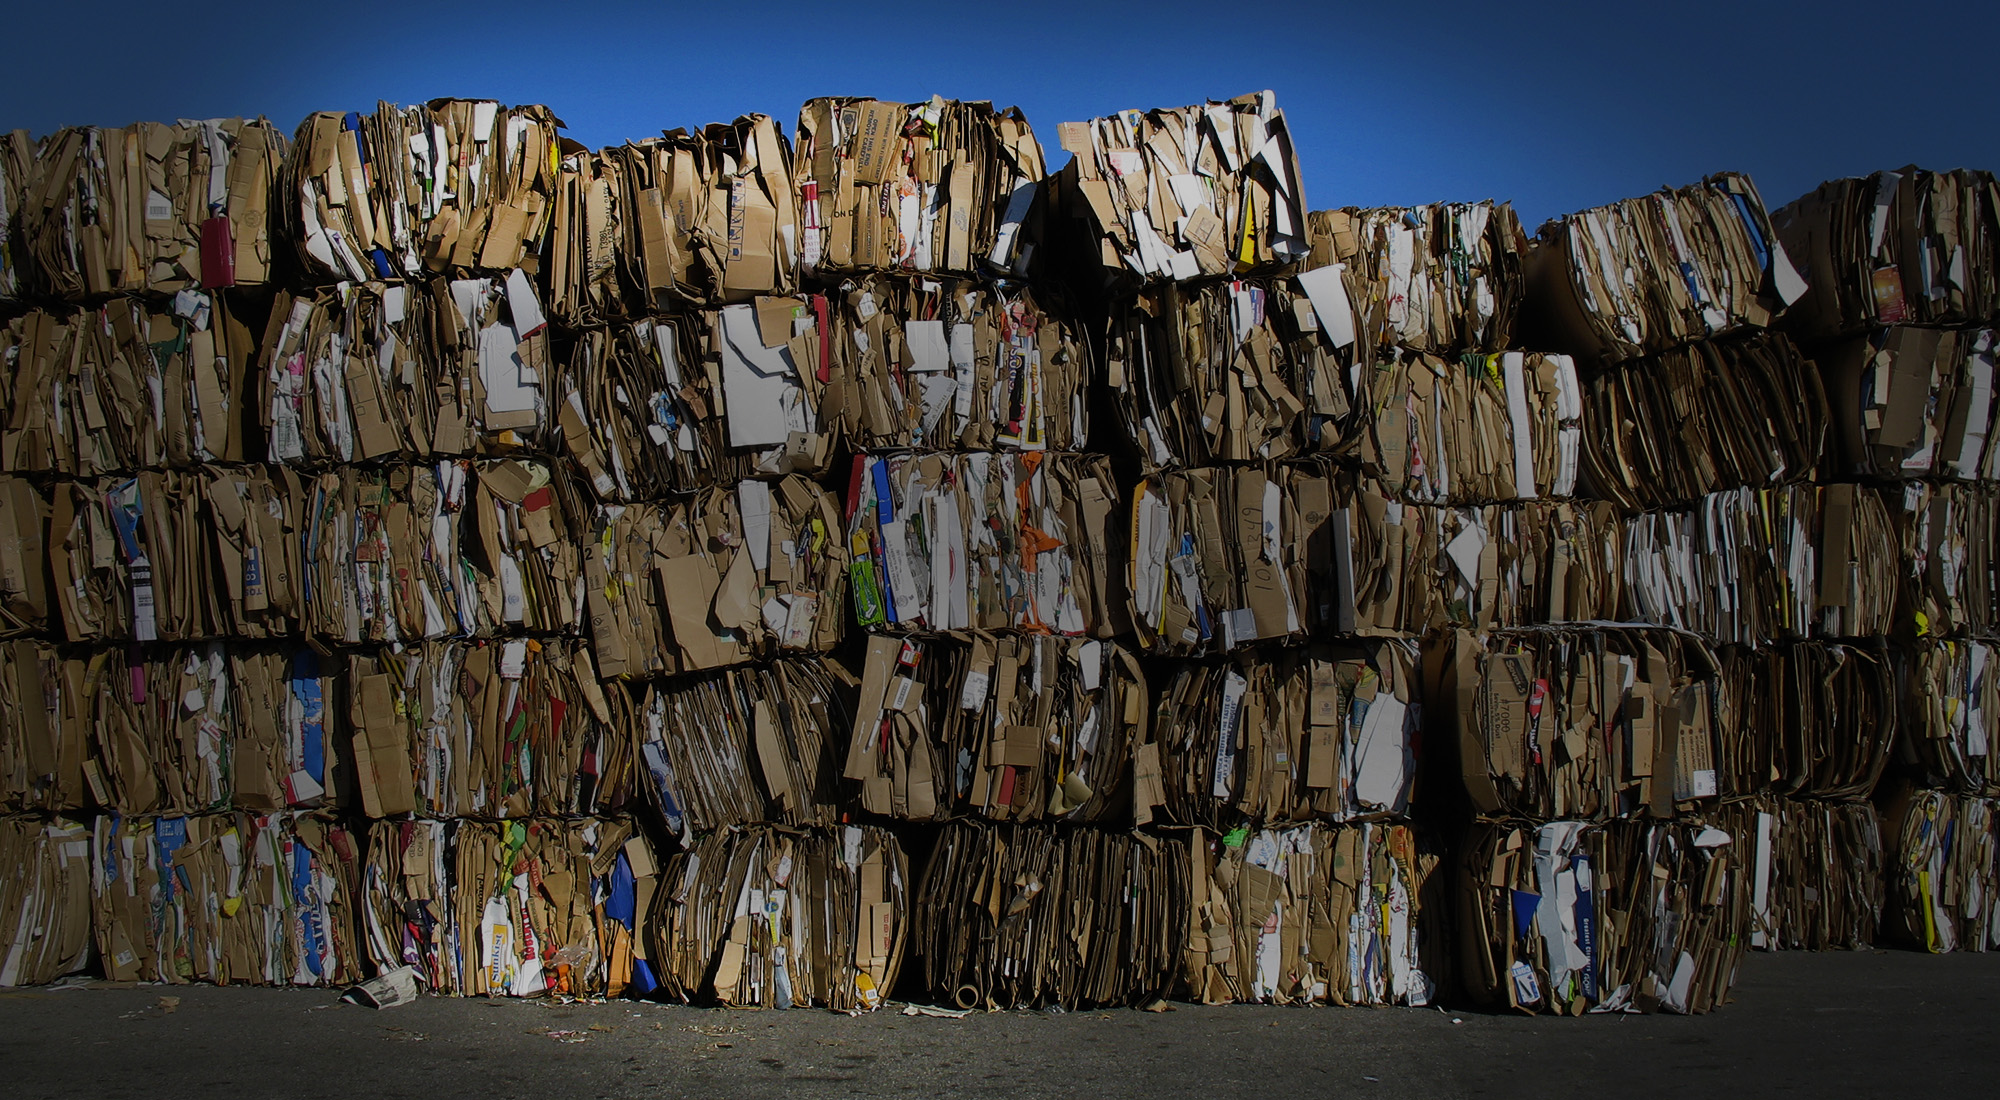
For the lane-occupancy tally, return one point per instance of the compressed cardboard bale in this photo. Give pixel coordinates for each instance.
(772, 918)
(1226, 556)
(1951, 718)
(1028, 916)
(1817, 871)
(983, 541)
(1313, 914)
(1756, 566)
(177, 555)
(154, 208)
(1712, 415)
(701, 398)
(1185, 193)
(452, 186)
(956, 364)
(1641, 276)
(717, 579)
(1235, 371)
(459, 548)
(522, 908)
(1909, 246)
(686, 218)
(1008, 727)
(1942, 862)
(24, 559)
(759, 743)
(17, 167)
(1440, 278)
(1286, 734)
(45, 914)
(383, 373)
(227, 898)
(487, 728)
(1627, 916)
(937, 187)
(1590, 723)
(1949, 531)
(1907, 402)
(1474, 430)
(134, 384)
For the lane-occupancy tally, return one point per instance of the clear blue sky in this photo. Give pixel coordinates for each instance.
(1556, 106)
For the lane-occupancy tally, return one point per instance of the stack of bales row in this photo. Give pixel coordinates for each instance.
(678, 408)
(1627, 773)
(1901, 317)
(1279, 758)
(162, 775)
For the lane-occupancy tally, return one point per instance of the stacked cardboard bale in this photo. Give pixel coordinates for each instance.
(1733, 740)
(1280, 760)
(701, 403)
(990, 691)
(1901, 316)
(149, 757)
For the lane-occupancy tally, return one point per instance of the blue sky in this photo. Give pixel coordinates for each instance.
(1555, 106)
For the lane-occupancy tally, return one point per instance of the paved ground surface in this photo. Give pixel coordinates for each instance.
(1868, 1024)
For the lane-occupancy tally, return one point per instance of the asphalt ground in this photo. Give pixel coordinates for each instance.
(1871, 1023)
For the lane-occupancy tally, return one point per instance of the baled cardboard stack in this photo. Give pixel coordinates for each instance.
(699, 401)
(979, 536)
(432, 543)
(805, 918)
(1597, 754)
(1900, 317)
(155, 757)
(552, 904)
(1239, 402)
